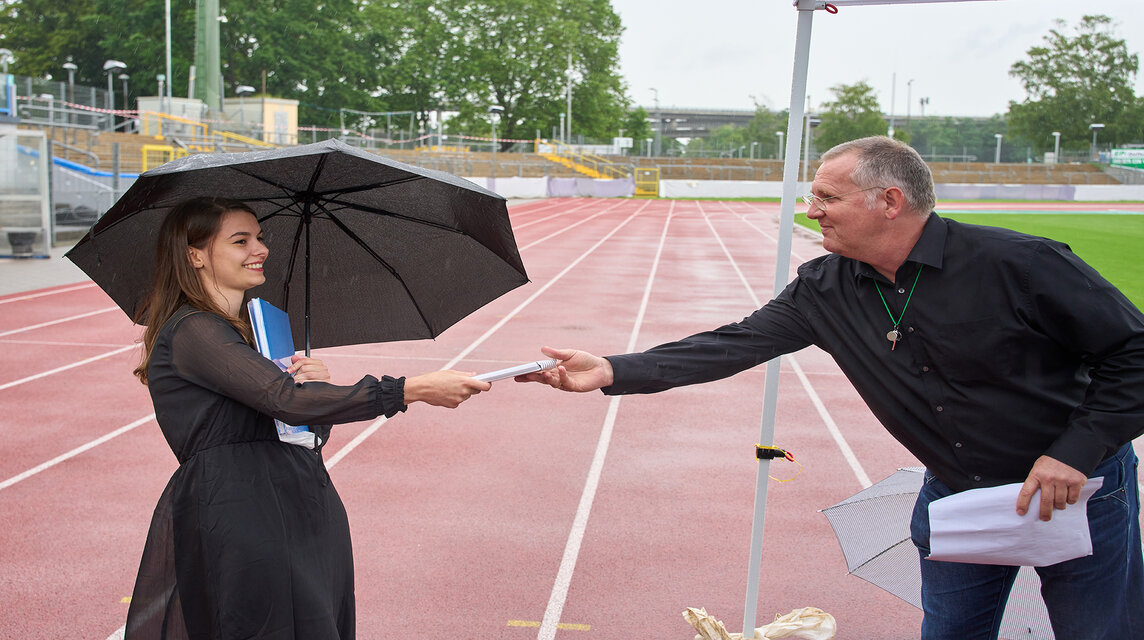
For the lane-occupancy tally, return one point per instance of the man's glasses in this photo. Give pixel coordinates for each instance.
(814, 201)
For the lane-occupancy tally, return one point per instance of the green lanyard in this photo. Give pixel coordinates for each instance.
(893, 335)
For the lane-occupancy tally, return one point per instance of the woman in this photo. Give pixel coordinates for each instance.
(249, 539)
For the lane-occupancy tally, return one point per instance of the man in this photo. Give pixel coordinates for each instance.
(993, 356)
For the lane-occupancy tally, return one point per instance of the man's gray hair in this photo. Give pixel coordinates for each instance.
(885, 162)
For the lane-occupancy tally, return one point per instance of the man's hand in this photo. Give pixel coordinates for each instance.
(1059, 483)
(577, 371)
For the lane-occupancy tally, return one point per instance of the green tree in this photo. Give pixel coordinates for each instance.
(935, 136)
(724, 141)
(421, 76)
(636, 125)
(965, 139)
(43, 34)
(134, 32)
(733, 140)
(854, 113)
(763, 128)
(1074, 80)
(515, 54)
(319, 52)
(399, 55)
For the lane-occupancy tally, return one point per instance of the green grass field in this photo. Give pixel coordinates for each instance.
(1112, 244)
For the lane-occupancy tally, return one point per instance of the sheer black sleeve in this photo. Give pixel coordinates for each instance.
(208, 351)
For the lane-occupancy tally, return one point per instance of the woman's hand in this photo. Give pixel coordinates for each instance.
(447, 388)
(308, 369)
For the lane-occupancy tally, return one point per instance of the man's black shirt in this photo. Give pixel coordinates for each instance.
(1011, 348)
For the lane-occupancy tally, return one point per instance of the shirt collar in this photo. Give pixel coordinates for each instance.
(930, 247)
(928, 250)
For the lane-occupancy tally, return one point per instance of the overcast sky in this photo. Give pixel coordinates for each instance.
(734, 53)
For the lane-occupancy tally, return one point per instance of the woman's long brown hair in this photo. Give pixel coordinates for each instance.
(193, 223)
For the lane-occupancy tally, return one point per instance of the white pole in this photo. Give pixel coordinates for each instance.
(806, 141)
(568, 77)
(893, 98)
(782, 269)
(170, 78)
(909, 96)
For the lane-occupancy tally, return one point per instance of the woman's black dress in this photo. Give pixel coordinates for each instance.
(249, 539)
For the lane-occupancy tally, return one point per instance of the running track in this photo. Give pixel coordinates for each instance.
(526, 513)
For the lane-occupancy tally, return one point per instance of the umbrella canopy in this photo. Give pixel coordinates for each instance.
(873, 529)
(378, 250)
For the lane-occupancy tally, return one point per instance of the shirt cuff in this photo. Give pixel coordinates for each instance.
(391, 395)
(621, 370)
(1081, 452)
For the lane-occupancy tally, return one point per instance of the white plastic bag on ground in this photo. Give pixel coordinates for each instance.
(808, 623)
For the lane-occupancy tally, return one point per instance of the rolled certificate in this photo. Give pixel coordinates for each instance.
(518, 370)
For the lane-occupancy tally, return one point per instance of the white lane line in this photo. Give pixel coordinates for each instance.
(376, 424)
(61, 320)
(73, 365)
(831, 426)
(559, 213)
(568, 228)
(47, 293)
(559, 595)
(74, 452)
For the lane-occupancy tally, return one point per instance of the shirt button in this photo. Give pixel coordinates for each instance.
(925, 369)
(910, 329)
(957, 444)
(977, 478)
(940, 408)
(901, 290)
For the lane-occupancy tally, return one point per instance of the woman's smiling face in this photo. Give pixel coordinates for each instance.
(232, 262)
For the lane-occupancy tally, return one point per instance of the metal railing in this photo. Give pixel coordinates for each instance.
(601, 166)
(161, 125)
(50, 111)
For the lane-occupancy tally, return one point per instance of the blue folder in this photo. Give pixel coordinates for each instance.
(273, 338)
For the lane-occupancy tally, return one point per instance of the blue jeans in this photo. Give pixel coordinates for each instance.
(1097, 597)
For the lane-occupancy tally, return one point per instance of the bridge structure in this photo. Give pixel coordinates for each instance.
(695, 123)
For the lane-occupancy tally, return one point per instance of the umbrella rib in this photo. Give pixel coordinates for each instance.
(386, 212)
(878, 555)
(376, 185)
(284, 188)
(368, 249)
(281, 207)
(290, 267)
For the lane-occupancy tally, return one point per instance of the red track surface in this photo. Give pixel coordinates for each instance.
(461, 519)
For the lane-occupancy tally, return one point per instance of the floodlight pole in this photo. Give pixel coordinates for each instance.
(782, 268)
(568, 97)
(170, 78)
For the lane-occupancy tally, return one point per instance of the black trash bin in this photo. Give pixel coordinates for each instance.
(23, 243)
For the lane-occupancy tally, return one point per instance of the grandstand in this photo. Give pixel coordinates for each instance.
(96, 149)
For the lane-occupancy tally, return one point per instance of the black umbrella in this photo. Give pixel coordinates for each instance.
(379, 250)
